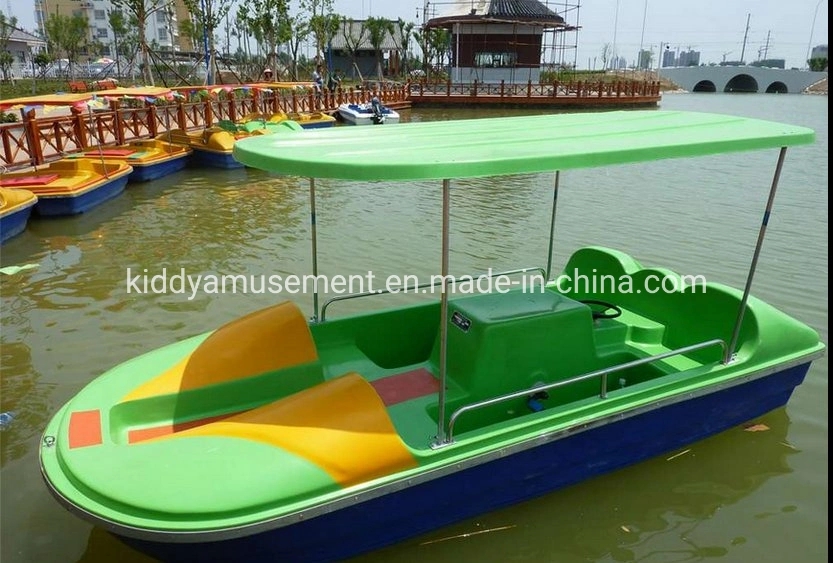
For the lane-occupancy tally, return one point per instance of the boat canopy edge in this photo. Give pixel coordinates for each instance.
(510, 145)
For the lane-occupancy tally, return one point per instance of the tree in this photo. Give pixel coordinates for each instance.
(378, 29)
(301, 30)
(406, 31)
(323, 23)
(209, 13)
(818, 64)
(193, 31)
(118, 24)
(67, 35)
(270, 21)
(7, 26)
(42, 61)
(353, 42)
(142, 10)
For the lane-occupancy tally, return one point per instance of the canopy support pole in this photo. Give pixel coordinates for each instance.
(441, 439)
(552, 224)
(730, 351)
(314, 237)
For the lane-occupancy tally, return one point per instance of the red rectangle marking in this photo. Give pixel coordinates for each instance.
(22, 181)
(403, 387)
(84, 429)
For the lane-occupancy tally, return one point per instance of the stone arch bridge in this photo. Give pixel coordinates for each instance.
(748, 79)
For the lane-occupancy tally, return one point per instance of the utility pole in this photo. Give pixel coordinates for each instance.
(745, 36)
(766, 45)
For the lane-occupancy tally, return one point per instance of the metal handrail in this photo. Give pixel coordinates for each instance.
(425, 286)
(603, 373)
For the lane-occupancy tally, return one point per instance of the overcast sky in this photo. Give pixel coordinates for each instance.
(713, 27)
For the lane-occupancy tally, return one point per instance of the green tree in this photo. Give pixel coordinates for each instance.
(323, 23)
(818, 64)
(378, 29)
(406, 32)
(42, 61)
(118, 23)
(353, 42)
(67, 35)
(300, 31)
(192, 30)
(7, 26)
(142, 10)
(210, 14)
(270, 22)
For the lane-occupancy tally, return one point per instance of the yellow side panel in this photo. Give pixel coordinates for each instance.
(263, 341)
(340, 425)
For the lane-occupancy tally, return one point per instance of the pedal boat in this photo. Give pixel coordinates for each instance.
(315, 120)
(150, 159)
(211, 147)
(15, 207)
(71, 185)
(275, 438)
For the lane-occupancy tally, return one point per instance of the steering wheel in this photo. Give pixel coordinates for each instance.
(600, 309)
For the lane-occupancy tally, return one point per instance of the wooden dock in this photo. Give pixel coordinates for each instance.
(36, 140)
(573, 94)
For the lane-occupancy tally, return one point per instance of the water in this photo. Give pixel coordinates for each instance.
(739, 496)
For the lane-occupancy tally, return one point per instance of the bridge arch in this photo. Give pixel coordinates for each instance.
(777, 87)
(704, 86)
(742, 83)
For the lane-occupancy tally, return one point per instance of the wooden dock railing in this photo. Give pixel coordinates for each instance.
(555, 94)
(34, 141)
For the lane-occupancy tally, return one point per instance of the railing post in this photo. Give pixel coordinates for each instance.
(78, 127)
(618, 89)
(421, 87)
(601, 87)
(474, 88)
(448, 87)
(232, 108)
(294, 102)
(153, 125)
(117, 122)
(181, 119)
(208, 112)
(529, 88)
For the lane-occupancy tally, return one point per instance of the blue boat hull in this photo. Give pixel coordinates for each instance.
(501, 482)
(215, 159)
(148, 172)
(73, 205)
(322, 125)
(14, 223)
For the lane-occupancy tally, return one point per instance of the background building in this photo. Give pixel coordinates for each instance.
(494, 40)
(819, 52)
(23, 46)
(354, 34)
(161, 28)
(689, 58)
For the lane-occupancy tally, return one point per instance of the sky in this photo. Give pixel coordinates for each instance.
(713, 27)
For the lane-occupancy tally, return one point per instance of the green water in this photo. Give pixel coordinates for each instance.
(739, 496)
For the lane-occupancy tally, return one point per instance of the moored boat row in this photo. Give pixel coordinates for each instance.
(79, 182)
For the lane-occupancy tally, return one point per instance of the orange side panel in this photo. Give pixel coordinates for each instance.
(340, 425)
(263, 341)
(84, 429)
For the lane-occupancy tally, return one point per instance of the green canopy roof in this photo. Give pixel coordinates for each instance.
(509, 145)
